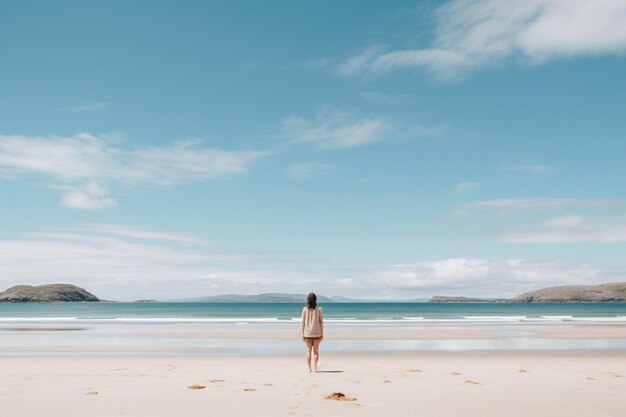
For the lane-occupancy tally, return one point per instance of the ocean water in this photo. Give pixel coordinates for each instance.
(333, 312)
(274, 328)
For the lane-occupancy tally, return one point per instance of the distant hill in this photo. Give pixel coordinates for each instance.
(602, 293)
(46, 293)
(259, 298)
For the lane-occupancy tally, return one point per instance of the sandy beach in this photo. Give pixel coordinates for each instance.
(152, 368)
(454, 384)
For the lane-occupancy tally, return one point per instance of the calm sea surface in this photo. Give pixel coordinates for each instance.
(272, 328)
(344, 312)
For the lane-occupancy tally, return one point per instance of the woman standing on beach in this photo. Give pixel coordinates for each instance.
(312, 330)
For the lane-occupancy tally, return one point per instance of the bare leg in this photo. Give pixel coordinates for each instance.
(316, 354)
(308, 359)
(309, 348)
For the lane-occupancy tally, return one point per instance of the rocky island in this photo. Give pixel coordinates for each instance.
(602, 293)
(46, 294)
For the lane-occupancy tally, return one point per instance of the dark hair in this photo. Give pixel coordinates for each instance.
(311, 300)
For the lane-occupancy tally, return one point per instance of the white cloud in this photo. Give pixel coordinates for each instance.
(590, 220)
(128, 262)
(186, 161)
(572, 229)
(98, 105)
(309, 169)
(84, 166)
(130, 231)
(479, 33)
(483, 277)
(356, 63)
(91, 197)
(538, 203)
(534, 169)
(333, 129)
(465, 186)
(123, 262)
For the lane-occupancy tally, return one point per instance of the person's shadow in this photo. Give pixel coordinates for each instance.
(329, 372)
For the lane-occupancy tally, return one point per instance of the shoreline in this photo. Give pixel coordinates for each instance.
(442, 370)
(214, 339)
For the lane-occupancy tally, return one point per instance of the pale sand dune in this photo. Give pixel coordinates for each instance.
(553, 384)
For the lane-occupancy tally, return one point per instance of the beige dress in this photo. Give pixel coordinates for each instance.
(312, 319)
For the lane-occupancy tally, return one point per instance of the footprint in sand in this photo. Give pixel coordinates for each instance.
(386, 381)
(268, 385)
(590, 378)
(214, 381)
(456, 373)
(249, 389)
(469, 381)
(522, 371)
(415, 370)
(196, 386)
(92, 393)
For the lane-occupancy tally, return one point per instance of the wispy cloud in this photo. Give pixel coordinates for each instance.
(130, 231)
(474, 34)
(309, 169)
(334, 129)
(465, 186)
(98, 105)
(84, 166)
(477, 276)
(358, 62)
(129, 262)
(91, 196)
(555, 220)
(534, 169)
(538, 203)
(571, 229)
(331, 129)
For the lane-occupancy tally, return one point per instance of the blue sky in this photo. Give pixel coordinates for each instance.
(393, 151)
